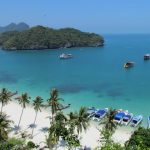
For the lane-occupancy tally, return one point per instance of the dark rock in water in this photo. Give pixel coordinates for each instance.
(73, 88)
(115, 92)
(7, 78)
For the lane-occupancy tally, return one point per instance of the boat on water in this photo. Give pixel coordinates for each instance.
(136, 120)
(119, 116)
(127, 119)
(148, 120)
(146, 56)
(65, 56)
(91, 111)
(129, 64)
(99, 114)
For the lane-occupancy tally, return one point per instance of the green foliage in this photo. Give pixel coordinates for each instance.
(72, 141)
(40, 37)
(37, 103)
(112, 146)
(31, 145)
(16, 142)
(5, 97)
(108, 121)
(65, 128)
(79, 120)
(4, 127)
(13, 144)
(54, 103)
(139, 140)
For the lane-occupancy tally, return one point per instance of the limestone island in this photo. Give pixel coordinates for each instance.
(39, 38)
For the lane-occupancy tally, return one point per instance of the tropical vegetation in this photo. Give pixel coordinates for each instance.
(66, 128)
(5, 97)
(23, 100)
(37, 104)
(40, 37)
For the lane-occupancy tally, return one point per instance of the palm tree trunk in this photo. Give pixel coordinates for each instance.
(34, 123)
(2, 108)
(20, 116)
(52, 119)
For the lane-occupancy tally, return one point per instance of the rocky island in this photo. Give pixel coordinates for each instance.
(14, 27)
(40, 37)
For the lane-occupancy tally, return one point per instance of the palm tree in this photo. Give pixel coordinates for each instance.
(79, 120)
(57, 130)
(37, 103)
(4, 127)
(109, 124)
(5, 97)
(23, 100)
(53, 102)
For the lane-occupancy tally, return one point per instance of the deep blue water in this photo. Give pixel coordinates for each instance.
(94, 77)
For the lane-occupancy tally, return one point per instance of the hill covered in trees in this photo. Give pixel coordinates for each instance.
(40, 37)
(14, 27)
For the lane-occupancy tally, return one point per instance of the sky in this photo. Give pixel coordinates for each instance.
(100, 16)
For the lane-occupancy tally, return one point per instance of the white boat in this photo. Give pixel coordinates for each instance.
(91, 111)
(127, 119)
(65, 56)
(136, 120)
(148, 120)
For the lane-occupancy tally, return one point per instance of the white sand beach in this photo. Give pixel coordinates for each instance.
(89, 138)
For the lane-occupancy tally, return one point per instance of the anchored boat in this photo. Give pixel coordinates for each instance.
(119, 116)
(148, 120)
(136, 120)
(129, 64)
(146, 56)
(127, 119)
(65, 56)
(99, 114)
(91, 111)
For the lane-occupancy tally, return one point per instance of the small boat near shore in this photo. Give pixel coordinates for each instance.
(129, 64)
(99, 114)
(136, 120)
(119, 116)
(65, 56)
(91, 111)
(127, 119)
(146, 56)
(148, 120)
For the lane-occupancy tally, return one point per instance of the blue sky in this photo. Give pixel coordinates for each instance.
(101, 16)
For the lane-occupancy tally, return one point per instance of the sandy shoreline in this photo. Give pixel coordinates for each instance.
(89, 138)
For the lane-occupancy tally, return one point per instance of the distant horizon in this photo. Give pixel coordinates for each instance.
(98, 16)
(125, 33)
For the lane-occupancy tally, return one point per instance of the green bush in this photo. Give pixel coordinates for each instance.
(31, 145)
(139, 140)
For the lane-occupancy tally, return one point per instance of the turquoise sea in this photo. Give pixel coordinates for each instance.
(94, 77)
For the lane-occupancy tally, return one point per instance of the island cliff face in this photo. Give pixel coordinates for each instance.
(40, 37)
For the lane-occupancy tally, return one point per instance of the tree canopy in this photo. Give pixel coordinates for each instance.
(40, 37)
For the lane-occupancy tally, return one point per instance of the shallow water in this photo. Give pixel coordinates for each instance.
(94, 77)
